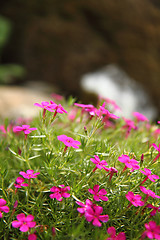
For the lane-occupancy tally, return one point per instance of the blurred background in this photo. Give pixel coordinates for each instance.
(82, 48)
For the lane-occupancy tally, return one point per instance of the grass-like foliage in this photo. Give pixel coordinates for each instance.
(79, 172)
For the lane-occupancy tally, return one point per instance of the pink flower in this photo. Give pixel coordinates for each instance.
(25, 128)
(32, 236)
(148, 192)
(57, 96)
(140, 117)
(129, 125)
(68, 141)
(134, 199)
(152, 230)
(46, 105)
(58, 108)
(99, 164)
(29, 174)
(3, 207)
(93, 214)
(24, 223)
(129, 163)
(19, 183)
(112, 170)
(155, 209)
(98, 194)
(158, 149)
(147, 172)
(83, 207)
(112, 232)
(60, 192)
(158, 122)
(102, 111)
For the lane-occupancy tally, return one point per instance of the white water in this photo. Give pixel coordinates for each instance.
(114, 83)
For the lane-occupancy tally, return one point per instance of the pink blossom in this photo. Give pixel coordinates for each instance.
(148, 192)
(25, 128)
(46, 105)
(57, 108)
(20, 183)
(112, 232)
(158, 149)
(129, 163)
(147, 172)
(29, 174)
(32, 236)
(60, 192)
(87, 108)
(110, 101)
(129, 125)
(134, 199)
(98, 194)
(99, 164)
(93, 214)
(152, 230)
(155, 209)
(112, 170)
(68, 141)
(24, 223)
(140, 117)
(57, 96)
(158, 122)
(83, 207)
(103, 111)
(3, 207)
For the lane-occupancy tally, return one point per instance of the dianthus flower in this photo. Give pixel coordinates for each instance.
(129, 125)
(148, 193)
(20, 183)
(57, 108)
(32, 236)
(24, 223)
(46, 106)
(110, 101)
(140, 117)
(68, 141)
(158, 149)
(152, 230)
(83, 207)
(99, 164)
(98, 194)
(102, 111)
(155, 209)
(29, 174)
(134, 199)
(112, 232)
(129, 163)
(25, 128)
(60, 192)
(94, 214)
(87, 108)
(111, 170)
(3, 207)
(57, 96)
(147, 172)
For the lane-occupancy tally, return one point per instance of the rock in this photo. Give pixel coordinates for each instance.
(18, 102)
